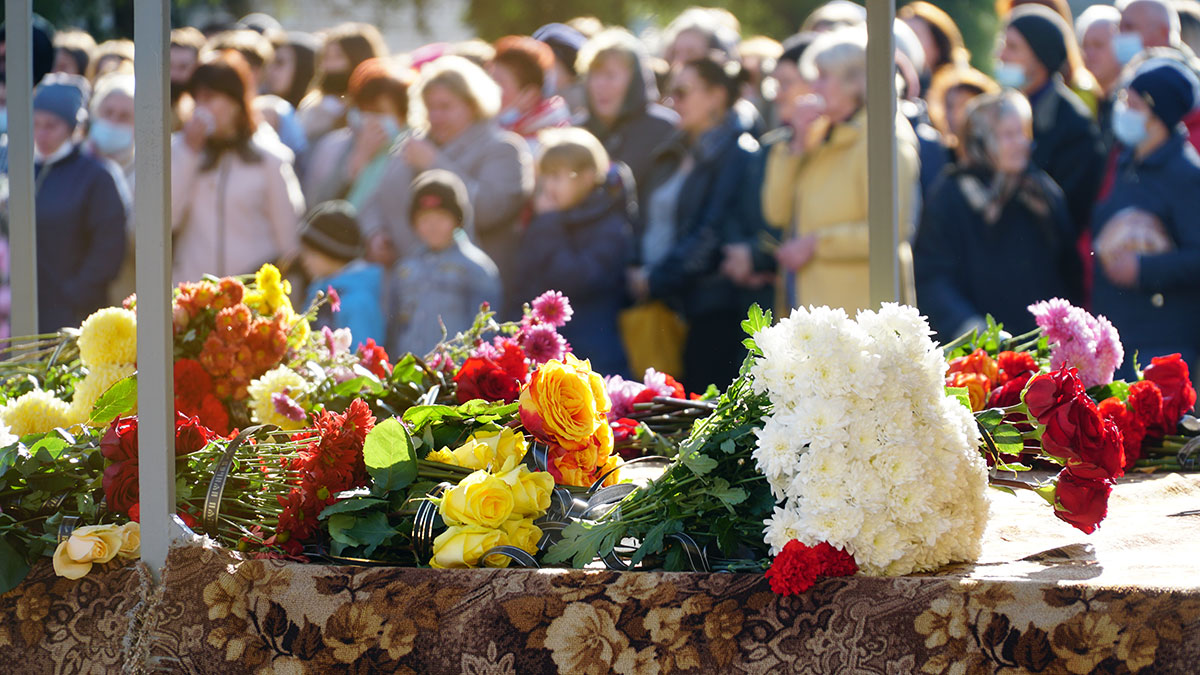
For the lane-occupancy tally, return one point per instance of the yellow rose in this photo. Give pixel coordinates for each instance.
(87, 545)
(530, 489)
(565, 402)
(479, 499)
(463, 546)
(523, 534)
(504, 444)
(615, 477)
(131, 540)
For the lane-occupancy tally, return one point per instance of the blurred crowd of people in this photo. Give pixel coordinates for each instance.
(663, 182)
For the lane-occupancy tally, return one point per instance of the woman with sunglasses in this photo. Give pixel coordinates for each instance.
(703, 199)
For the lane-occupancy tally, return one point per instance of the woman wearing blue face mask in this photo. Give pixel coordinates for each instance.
(1148, 277)
(351, 163)
(110, 137)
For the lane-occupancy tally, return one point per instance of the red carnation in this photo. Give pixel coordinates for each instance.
(120, 484)
(1082, 502)
(192, 381)
(1146, 402)
(1049, 391)
(1015, 364)
(1171, 375)
(1133, 429)
(120, 442)
(512, 358)
(481, 378)
(214, 415)
(797, 567)
(374, 358)
(835, 562)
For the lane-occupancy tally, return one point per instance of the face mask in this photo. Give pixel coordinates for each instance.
(109, 138)
(4, 120)
(335, 83)
(508, 117)
(1126, 46)
(356, 118)
(1010, 75)
(1129, 126)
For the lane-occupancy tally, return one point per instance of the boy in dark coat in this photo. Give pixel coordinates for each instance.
(579, 243)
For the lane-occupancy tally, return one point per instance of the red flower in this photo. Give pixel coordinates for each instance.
(1074, 429)
(1171, 375)
(120, 442)
(1010, 393)
(977, 387)
(214, 415)
(1082, 502)
(192, 382)
(1133, 429)
(374, 358)
(1103, 461)
(797, 567)
(121, 485)
(977, 362)
(1015, 364)
(190, 435)
(1047, 392)
(484, 379)
(512, 358)
(1146, 402)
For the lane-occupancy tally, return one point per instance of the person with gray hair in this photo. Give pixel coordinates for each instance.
(996, 205)
(834, 15)
(1096, 30)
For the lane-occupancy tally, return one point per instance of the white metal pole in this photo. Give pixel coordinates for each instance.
(152, 215)
(22, 241)
(881, 151)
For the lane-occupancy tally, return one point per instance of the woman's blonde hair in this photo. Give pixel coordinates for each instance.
(462, 78)
(573, 149)
(610, 42)
(840, 53)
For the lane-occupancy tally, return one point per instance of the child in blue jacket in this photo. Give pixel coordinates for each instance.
(331, 252)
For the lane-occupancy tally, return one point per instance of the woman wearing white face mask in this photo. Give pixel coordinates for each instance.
(1148, 283)
(110, 137)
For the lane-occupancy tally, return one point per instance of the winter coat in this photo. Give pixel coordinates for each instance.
(1161, 313)
(449, 284)
(232, 218)
(1067, 145)
(583, 252)
(359, 286)
(824, 193)
(81, 237)
(967, 268)
(718, 205)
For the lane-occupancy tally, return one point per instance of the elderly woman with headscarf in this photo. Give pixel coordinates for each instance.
(996, 236)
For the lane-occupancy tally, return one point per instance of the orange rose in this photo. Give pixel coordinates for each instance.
(565, 403)
(977, 387)
(979, 362)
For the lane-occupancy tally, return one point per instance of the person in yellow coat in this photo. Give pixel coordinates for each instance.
(815, 186)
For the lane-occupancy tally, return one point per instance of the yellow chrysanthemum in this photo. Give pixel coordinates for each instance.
(92, 387)
(35, 412)
(281, 380)
(300, 330)
(108, 337)
(272, 289)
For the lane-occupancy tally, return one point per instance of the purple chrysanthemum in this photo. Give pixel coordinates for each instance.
(543, 343)
(286, 406)
(553, 308)
(621, 392)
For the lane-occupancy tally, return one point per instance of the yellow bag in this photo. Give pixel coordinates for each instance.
(654, 337)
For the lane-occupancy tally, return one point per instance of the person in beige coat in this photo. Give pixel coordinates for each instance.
(235, 200)
(815, 186)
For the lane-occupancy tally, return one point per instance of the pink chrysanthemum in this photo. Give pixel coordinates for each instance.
(621, 392)
(543, 343)
(553, 308)
(284, 405)
(1080, 340)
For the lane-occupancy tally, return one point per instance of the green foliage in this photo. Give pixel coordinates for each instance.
(390, 457)
(118, 400)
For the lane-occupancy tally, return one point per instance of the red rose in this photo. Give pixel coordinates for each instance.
(135, 512)
(1009, 394)
(1082, 502)
(482, 378)
(121, 485)
(1073, 430)
(1104, 461)
(190, 435)
(1015, 364)
(1171, 375)
(1049, 391)
(120, 442)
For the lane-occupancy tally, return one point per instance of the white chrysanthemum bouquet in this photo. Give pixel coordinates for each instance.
(864, 449)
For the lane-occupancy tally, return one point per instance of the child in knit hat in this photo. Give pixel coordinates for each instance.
(439, 289)
(331, 248)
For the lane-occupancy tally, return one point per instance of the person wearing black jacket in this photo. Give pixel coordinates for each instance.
(703, 199)
(995, 236)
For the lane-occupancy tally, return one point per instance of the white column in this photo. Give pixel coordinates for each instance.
(152, 213)
(881, 151)
(22, 238)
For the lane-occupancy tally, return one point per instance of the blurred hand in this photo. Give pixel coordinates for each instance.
(795, 253)
(368, 141)
(196, 130)
(420, 153)
(806, 110)
(381, 250)
(738, 265)
(638, 282)
(1122, 269)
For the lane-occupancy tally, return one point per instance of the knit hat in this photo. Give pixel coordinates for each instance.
(332, 228)
(1045, 31)
(66, 96)
(564, 40)
(1168, 88)
(43, 46)
(440, 189)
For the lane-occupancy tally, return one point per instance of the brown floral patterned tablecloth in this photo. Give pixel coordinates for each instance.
(1041, 599)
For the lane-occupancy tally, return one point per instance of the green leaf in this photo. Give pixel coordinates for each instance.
(1013, 466)
(339, 529)
(699, 464)
(582, 543)
(118, 400)
(52, 445)
(990, 419)
(728, 446)
(1004, 488)
(1119, 389)
(350, 506)
(371, 531)
(962, 394)
(355, 385)
(13, 566)
(421, 416)
(653, 543)
(730, 496)
(1008, 439)
(390, 457)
